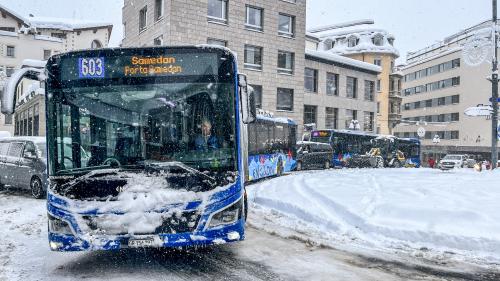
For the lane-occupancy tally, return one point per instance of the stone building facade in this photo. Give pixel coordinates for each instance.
(270, 40)
(438, 87)
(38, 38)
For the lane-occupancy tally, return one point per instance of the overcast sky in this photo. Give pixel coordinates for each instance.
(414, 23)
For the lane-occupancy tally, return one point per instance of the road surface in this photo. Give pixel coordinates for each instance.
(24, 255)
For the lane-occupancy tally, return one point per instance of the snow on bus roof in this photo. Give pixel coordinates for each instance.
(283, 120)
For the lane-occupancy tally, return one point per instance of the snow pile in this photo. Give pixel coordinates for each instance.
(64, 24)
(410, 209)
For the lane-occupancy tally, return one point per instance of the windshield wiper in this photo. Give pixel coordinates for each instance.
(160, 166)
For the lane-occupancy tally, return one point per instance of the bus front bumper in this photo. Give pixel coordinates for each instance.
(226, 234)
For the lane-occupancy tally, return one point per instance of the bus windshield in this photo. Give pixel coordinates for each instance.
(131, 125)
(135, 110)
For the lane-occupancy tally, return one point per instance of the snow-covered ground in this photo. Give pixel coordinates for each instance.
(427, 213)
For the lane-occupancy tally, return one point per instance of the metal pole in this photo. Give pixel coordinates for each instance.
(494, 82)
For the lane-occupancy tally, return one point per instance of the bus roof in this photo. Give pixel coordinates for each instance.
(283, 120)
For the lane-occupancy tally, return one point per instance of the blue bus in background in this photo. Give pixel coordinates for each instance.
(348, 144)
(271, 147)
(164, 130)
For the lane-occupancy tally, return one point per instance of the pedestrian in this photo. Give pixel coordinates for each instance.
(431, 162)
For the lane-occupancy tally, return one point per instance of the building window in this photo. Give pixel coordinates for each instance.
(454, 135)
(217, 42)
(253, 57)
(455, 99)
(254, 18)
(416, 105)
(368, 124)
(310, 114)
(455, 63)
(285, 62)
(379, 86)
(285, 99)
(369, 90)
(441, 101)
(311, 80)
(46, 54)
(455, 117)
(9, 29)
(96, 44)
(377, 62)
(11, 51)
(378, 40)
(143, 19)
(332, 84)
(352, 87)
(378, 107)
(455, 81)
(257, 89)
(428, 103)
(158, 41)
(58, 35)
(217, 10)
(36, 120)
(352, 41)
(350, 115)
(9, 71)
(158, 9)
(8, 119)
(332, 118)
(286, 25)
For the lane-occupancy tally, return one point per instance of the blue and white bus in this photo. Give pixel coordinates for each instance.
(347, 143)
(271, 147)
(163, 128)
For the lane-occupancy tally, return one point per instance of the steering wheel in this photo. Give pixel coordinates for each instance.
(113, 162)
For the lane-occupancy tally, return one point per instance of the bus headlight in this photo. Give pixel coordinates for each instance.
(226, 216)
(59, 226)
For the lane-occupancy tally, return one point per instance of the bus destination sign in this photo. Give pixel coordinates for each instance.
(140, 66)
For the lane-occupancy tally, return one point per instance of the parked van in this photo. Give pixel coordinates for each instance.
(23, 164)
(313, 155)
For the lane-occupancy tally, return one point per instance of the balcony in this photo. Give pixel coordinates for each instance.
(396, 95)
(395, 117)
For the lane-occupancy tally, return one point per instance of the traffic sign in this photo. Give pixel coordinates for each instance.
(491, 99)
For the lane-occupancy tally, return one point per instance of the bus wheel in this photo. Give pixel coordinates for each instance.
(327, 165)
(36, 188)
(299, 166)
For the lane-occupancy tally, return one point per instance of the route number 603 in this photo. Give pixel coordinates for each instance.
(91, 67)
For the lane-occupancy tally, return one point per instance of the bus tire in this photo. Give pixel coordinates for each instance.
(36, 188)
(299, 166)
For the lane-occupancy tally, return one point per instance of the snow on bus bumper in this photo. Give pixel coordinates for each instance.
(226, 234)
(216, 225)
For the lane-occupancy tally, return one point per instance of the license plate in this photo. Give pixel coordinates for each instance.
(141, 242)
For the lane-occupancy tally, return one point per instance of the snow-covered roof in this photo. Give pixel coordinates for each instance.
(8, 33)
(65, 24)
(33, 139)
(13, 13)
(335, 38)
(326, 55)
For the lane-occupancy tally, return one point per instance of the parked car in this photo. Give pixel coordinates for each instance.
(23, 164)
(452, 161)
(314, 155)
(469, 161)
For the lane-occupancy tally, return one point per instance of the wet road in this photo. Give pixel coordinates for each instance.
(24, 255)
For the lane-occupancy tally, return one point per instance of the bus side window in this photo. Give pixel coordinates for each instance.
(252, 138)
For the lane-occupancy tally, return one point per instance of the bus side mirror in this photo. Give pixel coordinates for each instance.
(247, 100)
(8, 100)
